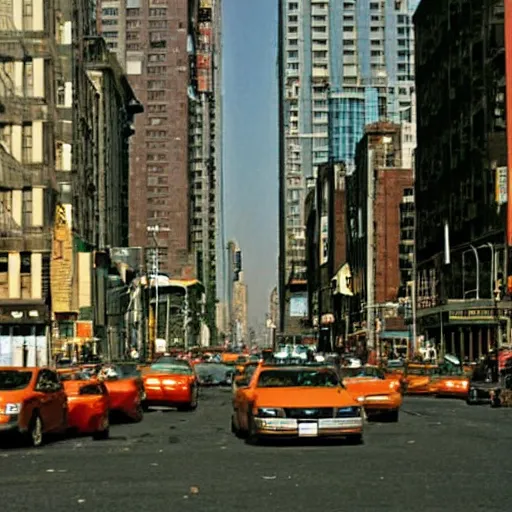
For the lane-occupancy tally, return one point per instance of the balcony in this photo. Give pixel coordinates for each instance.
(14, 239)
(17, 45)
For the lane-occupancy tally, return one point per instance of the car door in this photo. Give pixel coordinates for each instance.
(59, 401)
(46, 401)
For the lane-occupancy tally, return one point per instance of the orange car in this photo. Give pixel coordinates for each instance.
(295, 401)
(32, 403)
(417, 378)
(379, 394)
(243, 377)
(88, 404)
(125, 390)
(171, 382)
(450, 383)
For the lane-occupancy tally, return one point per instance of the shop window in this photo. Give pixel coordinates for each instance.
(66, 330)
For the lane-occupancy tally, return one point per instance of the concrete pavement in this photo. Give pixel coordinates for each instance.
(442, 456)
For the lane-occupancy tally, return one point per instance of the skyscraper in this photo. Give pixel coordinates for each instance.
(171, 52)
(342, 65)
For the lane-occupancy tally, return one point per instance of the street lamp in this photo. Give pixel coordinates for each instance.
(156, 269)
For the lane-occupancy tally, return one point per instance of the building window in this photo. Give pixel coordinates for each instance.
(27, 208)
(112, 45)
(157, 70)
(133, 24)
(156, 109)
(28, 16)
(134, 47)
(66, 330)
(27, 144)
(157, 84)
(156, 57)
(6, 137)
(110, 11)
(132, 13)
(25, 275)
(29, 79)
(154, 13)
(156, 95)
(158, 24)
(110, 35)
(109, 22)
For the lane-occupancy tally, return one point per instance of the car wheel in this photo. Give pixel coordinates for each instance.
(139, 414)
(392, 416)
(472, 398)
(252, 436)
(36, 431)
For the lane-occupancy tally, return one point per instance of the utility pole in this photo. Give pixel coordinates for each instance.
(156, 269)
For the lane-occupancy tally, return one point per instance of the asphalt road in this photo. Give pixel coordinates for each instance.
(442, 455)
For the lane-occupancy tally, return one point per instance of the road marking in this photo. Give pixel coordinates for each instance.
(411, 413)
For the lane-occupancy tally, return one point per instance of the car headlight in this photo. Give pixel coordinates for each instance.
(153, 382)
(360, 398)
(271, 412)
(348, 412)
(10, 409)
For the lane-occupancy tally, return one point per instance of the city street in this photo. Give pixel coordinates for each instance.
(442, 455)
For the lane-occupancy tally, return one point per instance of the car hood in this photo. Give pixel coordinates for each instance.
(303, 397)
(10, 397)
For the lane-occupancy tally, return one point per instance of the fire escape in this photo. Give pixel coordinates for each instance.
(19, 110)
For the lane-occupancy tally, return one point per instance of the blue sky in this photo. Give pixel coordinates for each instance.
(251, 142)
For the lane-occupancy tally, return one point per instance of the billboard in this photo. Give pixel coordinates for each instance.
(205, 36)
(324, 240)
(61, 264)
(204, 61)
(205, 4)
(204, 81)
(299, 305)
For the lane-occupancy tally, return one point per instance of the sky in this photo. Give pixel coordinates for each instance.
(251, 143)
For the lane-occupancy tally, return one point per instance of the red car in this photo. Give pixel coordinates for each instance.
(88, 405)
(171, 382)
(125, 390)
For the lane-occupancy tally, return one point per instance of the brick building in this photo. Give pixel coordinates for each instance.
(328, 272)
(171, 52)
(461, 173)
(375, 192)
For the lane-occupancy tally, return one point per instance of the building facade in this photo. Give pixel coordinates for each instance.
(342, 65)
(461, 174)
(96, 111)
(28, 184)
(327, 262)
(171, 52)
(375, 192)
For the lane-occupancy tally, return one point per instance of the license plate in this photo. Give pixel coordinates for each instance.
(308, 429)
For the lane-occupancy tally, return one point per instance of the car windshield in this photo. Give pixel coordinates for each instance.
(75, 376)
(212, 369)
(249, 370)
(175, 368)
(368, 371)
(297, 378)
(449, 370)
(420, 371)
(13, 380)
(125, 371)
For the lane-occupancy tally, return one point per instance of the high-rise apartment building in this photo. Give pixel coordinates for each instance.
(342, 65)
(171, 50)
(462, 208)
